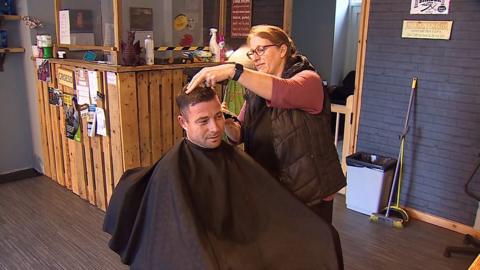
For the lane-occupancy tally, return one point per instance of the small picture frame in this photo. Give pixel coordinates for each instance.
(81, 20)
(141, 19)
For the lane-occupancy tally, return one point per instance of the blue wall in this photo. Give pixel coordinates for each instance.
(444, 139)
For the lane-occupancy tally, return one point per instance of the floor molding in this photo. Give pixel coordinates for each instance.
(442, 222)
(18, 175)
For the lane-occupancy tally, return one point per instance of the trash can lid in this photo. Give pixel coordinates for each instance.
(369, 160)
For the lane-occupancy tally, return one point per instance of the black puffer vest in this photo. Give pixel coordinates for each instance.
(296, 147)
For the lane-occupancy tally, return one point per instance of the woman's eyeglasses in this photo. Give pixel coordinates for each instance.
(260, 50)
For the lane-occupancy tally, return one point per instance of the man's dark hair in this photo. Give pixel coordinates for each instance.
(199, 94)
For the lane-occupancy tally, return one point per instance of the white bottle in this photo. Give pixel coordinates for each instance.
(149, 55)
(214, 48)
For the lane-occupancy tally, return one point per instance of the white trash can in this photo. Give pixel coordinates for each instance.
(369, 179)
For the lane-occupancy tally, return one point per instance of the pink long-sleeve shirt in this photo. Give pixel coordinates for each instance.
(303, 91)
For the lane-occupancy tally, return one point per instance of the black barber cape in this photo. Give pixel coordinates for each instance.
(203, 208)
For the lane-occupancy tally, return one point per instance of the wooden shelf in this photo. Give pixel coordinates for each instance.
(72, 47)
(10, 17)
(12, 50)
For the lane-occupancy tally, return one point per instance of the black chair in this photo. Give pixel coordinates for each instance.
(472, 244)
(338, 95)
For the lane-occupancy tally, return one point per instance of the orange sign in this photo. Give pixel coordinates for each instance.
(65, 77)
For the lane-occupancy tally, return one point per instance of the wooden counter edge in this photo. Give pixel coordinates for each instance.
(119, 69)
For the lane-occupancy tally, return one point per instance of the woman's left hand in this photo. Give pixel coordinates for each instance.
(209, 76)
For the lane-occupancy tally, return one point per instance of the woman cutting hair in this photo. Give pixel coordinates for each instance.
(285, 120)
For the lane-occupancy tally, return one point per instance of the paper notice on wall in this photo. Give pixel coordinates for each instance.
(81, 86)
(111, 78)
(429, 6)
(64, 28)
(93, 84)
(91, 120)
(101, 122)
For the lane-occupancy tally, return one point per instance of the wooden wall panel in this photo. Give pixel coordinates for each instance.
(106, 141)
(87, 152)
(57, 144)
(43, 128)
(48, 126)
(155, 115)
(115, 127)
(166, 110)
(178, 82)
(129, 120)
(77, 158)
(144, 118)
(65, 157)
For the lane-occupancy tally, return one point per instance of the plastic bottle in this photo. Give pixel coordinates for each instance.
(221, 45)
(149, 55)
(214, 48)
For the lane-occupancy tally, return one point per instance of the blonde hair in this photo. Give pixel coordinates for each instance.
(274, 34)
(240, 56)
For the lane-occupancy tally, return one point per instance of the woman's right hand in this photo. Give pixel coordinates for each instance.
(209, 76)
(232, 130)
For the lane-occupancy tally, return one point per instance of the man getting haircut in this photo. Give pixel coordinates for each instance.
(207, 205)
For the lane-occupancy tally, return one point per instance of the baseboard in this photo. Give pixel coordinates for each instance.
(442, 222)
(18, 175)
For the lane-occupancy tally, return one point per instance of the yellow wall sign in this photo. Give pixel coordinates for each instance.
(427, 29)
(65, 77)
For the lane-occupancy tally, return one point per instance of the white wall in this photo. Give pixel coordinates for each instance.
(352, 37)
(339, 41)
(321, 31)
(20, 146)
(313, 24)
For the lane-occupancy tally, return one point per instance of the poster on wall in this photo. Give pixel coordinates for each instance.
(82, 89)
(72, 118)
(430, 6)
(43, 70)
(241, 18)
(54, 96)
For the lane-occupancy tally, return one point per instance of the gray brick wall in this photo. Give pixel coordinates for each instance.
(444, 137)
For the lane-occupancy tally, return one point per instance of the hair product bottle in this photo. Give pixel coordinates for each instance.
(149, 55)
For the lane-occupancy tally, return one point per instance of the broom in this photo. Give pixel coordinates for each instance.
(399, 216)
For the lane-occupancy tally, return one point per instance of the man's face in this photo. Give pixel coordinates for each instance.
(203, 123)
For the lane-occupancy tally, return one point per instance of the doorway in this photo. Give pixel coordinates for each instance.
(314, 25)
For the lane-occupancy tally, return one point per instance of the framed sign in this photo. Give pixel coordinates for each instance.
(427, 29)
(141, 19)
(241, 19)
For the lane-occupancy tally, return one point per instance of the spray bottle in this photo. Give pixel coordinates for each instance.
(214, 48)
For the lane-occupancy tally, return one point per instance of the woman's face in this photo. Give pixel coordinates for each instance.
(271, 59)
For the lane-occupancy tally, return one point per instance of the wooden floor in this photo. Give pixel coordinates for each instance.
(44, 226)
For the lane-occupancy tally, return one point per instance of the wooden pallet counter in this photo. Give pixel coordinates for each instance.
(140, 111)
